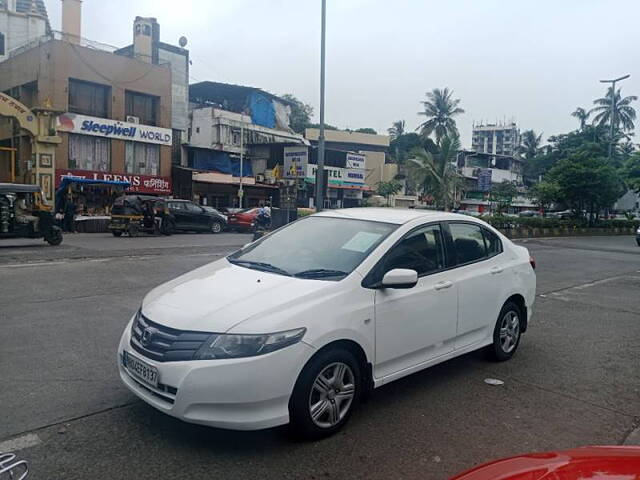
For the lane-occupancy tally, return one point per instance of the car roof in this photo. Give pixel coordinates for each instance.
(398, 216)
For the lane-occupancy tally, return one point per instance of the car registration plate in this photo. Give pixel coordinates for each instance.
(139, 369)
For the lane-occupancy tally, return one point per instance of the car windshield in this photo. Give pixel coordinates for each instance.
(304, 250)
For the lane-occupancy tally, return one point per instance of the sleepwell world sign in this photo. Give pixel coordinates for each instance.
(106, 127)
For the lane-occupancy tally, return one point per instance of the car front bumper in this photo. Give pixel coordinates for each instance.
(239, 394)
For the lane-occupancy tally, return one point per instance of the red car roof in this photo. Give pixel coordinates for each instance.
(587, 463)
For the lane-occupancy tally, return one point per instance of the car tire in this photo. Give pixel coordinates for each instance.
(507, 332)
(326, 393)
(54, 237)
(133, 230)
(216, 227)
(168, 227)
(116, 233)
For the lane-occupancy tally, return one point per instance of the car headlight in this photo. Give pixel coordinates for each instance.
(638, 231)
(220, 346)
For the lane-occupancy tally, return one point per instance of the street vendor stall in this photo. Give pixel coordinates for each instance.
(93, 200)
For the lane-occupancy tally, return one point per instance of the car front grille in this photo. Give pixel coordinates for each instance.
(164, 344)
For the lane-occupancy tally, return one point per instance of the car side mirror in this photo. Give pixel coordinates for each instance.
(400, 278)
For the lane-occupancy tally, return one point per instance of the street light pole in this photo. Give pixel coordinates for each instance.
(613, 109)
(320, 169)
(240, 191)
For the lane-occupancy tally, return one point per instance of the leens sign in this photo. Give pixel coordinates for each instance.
(139, 183)
(106, 127)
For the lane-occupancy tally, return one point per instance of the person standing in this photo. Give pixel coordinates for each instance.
(69, 215)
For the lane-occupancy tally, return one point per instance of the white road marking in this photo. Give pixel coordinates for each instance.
(37, 264)
(25, 441)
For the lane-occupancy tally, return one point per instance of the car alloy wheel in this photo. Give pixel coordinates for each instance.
(332, 395)
(216, 227)
(509, 331)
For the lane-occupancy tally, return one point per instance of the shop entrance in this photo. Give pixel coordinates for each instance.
(27, 145)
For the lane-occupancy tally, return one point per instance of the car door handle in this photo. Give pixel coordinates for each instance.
(443, 285)
(495, 270)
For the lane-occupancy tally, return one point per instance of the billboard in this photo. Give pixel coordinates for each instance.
(295, 162)
(484, 179)
(355, 160)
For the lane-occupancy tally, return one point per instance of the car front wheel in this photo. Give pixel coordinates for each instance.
(325, 394)
(216, 227)
(507, 332)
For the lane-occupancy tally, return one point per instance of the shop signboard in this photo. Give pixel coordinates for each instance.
(109, 128)
(335, 175)
(355, 160)
(355, 175)
(295, 162)
(139, 183)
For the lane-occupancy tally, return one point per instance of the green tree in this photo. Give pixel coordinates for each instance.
(586, 180)
(632, 172)
(366, 130)
(503, 193)
(326, 126)
(623, 116)
(386, 189)
(530, 144)
(301, 113)
(440, 108)
(544, 194)
(397, 129)
(436, 173)
(582, 115)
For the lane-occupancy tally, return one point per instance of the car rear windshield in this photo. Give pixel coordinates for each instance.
(315, 247)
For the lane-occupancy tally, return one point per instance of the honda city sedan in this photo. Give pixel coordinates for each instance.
(298, 326)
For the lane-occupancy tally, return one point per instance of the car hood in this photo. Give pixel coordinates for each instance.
(218, 296)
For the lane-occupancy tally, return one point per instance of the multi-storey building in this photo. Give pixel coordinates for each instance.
(497, 139)
(21, 21)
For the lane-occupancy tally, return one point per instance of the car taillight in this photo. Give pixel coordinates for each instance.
(532, 262)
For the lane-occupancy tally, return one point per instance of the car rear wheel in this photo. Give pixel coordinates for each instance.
(54, 237)
(325, 394)
(216, 227)
(507, 332)
(116, 233)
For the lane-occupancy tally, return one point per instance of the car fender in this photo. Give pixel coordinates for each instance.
(347, 334)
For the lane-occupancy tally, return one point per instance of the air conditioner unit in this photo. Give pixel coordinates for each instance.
(132, 119)
(260, 178)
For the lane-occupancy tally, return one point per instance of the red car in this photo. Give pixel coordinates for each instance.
(242, 220)
(587, 463)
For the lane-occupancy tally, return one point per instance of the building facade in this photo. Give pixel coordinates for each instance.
(497, 139)
(21, 22)
(342, 150)
(114, 112)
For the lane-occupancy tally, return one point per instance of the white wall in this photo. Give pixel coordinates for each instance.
(20, 29)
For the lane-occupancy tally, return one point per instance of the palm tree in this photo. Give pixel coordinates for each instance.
(440, 108)
(397, 129)
(624, 114)
(582, 115)
(437, 173)
(530, 144)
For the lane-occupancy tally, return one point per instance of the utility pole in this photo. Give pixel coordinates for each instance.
(240, 191)
(320, 169)
(613, 110)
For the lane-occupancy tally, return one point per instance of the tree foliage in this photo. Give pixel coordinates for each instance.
(582, 115)
(397, 129)
(366, 130)
(530, 144)
(503, 193)
(435, 173)
(440, 108)
(301, 113)
(545, 193)
(386, 189)
(632, 172)
(623, 116)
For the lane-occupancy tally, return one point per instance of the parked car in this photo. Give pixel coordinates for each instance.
(638, 236)
(191, 217)
(216, 211)
(244, 219)
(299, 325)
(528, 213)
(597, 463)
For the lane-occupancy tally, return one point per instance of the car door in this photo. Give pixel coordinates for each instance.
(417, 324)
(480, 279)
(180, 214)
(197, 216)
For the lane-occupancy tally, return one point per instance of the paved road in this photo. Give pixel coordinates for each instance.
(573, 382)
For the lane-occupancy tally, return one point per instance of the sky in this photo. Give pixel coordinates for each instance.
(530, 61)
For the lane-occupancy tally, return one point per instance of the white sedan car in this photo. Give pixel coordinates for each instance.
(299, 325)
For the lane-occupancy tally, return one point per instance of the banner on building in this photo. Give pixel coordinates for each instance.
(106, 127)
(484, 180)
(355, 160)
(295, 162)
(139, 183)
(355, 175)
(335, 175)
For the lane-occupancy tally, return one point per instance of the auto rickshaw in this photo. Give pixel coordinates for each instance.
(136, 214)
(24, 213)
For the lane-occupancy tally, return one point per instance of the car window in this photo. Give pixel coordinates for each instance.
(176, 205)
(468, 242)
(193, 208)
(421, 250)
(493, 243)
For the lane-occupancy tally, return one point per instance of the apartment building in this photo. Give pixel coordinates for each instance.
(496, 139)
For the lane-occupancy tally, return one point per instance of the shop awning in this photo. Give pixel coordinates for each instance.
(66, 181)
